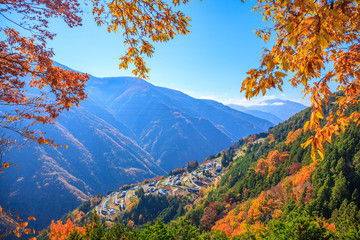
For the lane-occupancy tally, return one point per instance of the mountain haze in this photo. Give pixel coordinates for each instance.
(264, 115)
(282, 109)
(269, 187)
(126, 131)
(97, 159)
(167, 122)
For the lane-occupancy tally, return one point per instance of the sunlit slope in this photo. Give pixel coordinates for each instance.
(98, 157)
(172, 126)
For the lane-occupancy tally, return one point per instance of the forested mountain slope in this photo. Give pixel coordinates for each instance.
(98, 157)
(127, 130)
(272, 189)
(275, 190)
(167, 123)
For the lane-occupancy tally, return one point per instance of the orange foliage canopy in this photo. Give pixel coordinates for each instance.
(269, 164)
(271, 138)
(210, 215)
(292, 136)
(317, 44)
(76, 216)
(26, 63)
(60, 231)
(142, 22)
(249, 214)
(13, 223)
(253, 213)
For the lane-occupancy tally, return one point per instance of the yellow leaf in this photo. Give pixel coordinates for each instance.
(292, 41)
(263, 91)
(280, 74)
(306, 125)
(32, 218)
(284, 64)
(305, 144)
(319, 115)
(344, 17)
(304, 80)
(321, 154)
(313, 154)
(290, 27)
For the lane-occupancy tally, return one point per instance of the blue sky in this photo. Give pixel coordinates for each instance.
(211, 62)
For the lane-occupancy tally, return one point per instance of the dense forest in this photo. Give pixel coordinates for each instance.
(271, 189)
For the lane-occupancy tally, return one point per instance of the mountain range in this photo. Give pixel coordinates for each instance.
(274, 110)
(265, 186)
(126, 131)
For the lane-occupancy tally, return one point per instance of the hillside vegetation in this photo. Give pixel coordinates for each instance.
(126, 131)
(270, 189)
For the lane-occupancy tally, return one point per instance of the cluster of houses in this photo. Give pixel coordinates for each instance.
(197, 181)
(163, 192)
(106, 211)
(210, 165)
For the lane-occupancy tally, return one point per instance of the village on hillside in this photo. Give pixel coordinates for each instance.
(179, 182)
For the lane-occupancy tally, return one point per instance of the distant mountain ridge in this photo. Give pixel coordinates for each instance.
(147, 110)
(264, 115)
(126, 131)
(280, 108)
(97, 159)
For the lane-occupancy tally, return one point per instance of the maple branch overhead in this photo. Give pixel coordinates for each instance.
(311, 34)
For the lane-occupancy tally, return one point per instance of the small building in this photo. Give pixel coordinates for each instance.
(218, 167)
(193, 190)
(163, 192)
(198, 183)
(111, 211)
(104, 212)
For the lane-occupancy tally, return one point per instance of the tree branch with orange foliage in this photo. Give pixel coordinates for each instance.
(317, 44)
(142, 22)
(32, 89)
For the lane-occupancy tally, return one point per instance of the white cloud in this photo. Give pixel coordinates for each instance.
(253, 102)
(263, 101)
(215, 98)
(278, 103)
(258, 101)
